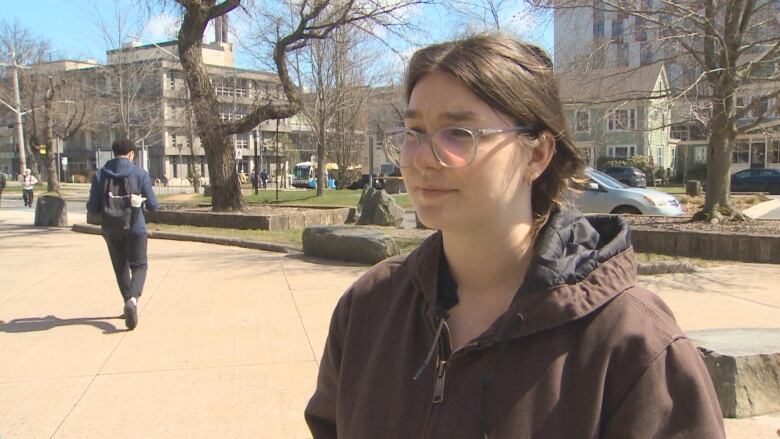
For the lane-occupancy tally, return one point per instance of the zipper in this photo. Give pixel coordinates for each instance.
(438, 389)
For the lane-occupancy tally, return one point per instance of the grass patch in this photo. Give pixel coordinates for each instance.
(18, 189)
(344, 197)
(670, 189)
(278, 236)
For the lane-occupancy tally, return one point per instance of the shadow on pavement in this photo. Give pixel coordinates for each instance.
(33, 324)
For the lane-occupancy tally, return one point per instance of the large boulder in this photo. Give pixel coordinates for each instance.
(744, 365)
(377, 207)
(348, 243)
(51, 211)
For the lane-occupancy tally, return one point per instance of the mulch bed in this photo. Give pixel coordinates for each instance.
(755, 227)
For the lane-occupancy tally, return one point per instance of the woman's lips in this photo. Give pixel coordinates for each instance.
(435, 192)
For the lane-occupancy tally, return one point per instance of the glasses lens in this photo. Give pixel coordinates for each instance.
(400, 147)
(454, 146)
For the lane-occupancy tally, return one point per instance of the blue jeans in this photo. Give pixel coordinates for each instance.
(128, 256)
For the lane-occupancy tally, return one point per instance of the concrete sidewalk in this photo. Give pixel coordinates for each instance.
(228, 340)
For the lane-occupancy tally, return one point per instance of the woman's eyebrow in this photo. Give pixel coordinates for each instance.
(452, 116)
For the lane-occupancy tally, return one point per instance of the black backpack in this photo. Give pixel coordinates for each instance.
(117, 212)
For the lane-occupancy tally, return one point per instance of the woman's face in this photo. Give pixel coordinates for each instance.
(490, 192)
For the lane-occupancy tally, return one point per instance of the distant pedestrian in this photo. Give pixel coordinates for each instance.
(2, 186)
(264, 178)
(255, 180)
(118, 193)
(28, 181)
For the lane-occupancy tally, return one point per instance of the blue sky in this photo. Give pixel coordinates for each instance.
(71, 25)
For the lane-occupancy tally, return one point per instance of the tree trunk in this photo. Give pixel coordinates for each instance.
(53, 184)
(225, 186)
(718, 176)
(321, 166)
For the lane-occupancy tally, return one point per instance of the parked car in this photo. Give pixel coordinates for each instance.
(604, 194)
(756, 180)
(627, 175)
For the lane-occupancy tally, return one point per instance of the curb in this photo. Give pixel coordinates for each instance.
(665, 267)
(255, 245)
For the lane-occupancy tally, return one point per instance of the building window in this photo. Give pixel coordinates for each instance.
(598, 29)
(617, 30)
(622, 119)
(171, 81)
(659, 152)
(679, 132)
(622, 54)
(773, 154)
(582, 121)
(760, 108)
(645, 53)
(740, 153)
(622, 152)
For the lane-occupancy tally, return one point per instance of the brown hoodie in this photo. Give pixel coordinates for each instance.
(582, 352)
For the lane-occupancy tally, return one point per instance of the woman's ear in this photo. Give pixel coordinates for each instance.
(541, 155)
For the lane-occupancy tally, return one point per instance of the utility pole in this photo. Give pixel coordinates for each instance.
(18, 99)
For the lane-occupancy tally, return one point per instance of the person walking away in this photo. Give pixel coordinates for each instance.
(2, 187)
(28, 182)
(264, 178)
(255, 182)
(119, 191)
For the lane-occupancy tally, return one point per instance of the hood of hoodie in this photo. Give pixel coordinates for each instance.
(580, 263)
(118, 167)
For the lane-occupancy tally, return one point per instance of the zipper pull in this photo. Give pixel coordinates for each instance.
(438, 390)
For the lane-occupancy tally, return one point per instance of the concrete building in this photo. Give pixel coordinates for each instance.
(168, 147)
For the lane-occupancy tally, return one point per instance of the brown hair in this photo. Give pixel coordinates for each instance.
(517, 79)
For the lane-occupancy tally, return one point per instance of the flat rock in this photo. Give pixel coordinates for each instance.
(348, 243)
(744, 365)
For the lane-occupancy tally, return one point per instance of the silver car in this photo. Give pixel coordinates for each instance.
(603, 194)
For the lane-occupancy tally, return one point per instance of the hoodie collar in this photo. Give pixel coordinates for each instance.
(579, 264)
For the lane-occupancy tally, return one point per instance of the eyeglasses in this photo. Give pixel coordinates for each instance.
(454, 147)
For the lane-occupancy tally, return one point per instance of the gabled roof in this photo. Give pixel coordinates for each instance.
(610, 85)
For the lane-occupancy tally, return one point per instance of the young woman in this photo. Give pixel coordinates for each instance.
(520, 318)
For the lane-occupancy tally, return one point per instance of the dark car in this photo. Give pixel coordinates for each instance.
(627, 175)
(756, 180)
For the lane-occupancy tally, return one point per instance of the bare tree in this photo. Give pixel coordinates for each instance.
(131, 100)
(60, 105)
(19, 47)
(334, 71)
(721, 46)
(315, 20)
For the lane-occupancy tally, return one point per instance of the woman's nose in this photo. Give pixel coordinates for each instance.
(424, 157)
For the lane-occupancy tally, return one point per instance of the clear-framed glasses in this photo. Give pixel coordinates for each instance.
(454, 147)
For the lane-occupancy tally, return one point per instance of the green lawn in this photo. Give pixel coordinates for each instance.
(674, 190)
(284, 236)
(38, 188)
(344, 197)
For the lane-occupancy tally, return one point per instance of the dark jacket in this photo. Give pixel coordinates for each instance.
(582, 352)
(139, 182)
(2, 181)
